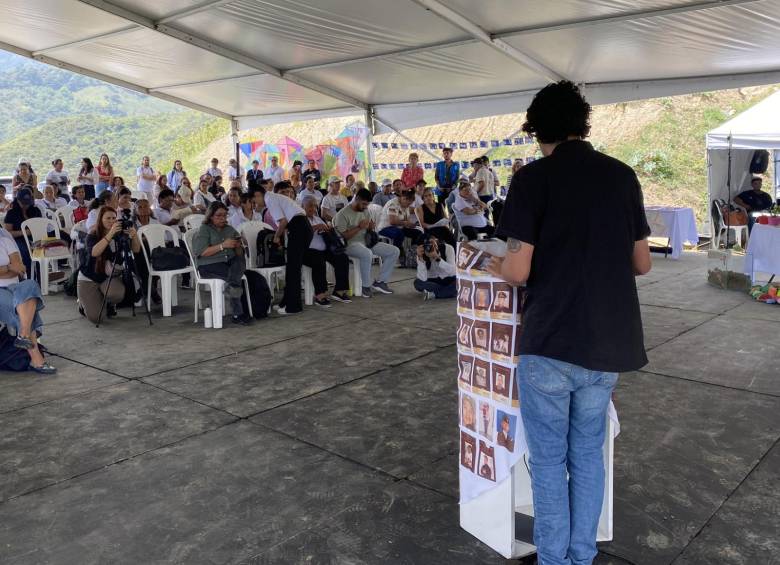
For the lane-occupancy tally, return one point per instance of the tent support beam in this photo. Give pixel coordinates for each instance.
(191, 11)
(221, 50)
(451, 16)
(111, 80)
(203, 82)
(369, 117)
(86, 40)
(404, 136)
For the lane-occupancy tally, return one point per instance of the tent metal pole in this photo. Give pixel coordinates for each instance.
(406, 137)
(369, 117)
(236, 146)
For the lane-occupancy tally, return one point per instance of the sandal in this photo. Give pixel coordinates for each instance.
(23, 342)
(44, 369)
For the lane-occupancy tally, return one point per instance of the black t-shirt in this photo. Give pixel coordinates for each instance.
(756, 200)
(15, 217)
(583, 211)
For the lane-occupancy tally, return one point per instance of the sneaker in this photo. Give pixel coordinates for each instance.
(382, 287)
(242, 320)
(323, 302)
(428, 295)
(341, 297)
(367, 292)
(111, 310)
(281, 310)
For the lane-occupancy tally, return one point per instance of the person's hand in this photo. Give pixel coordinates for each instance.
(132, 233)
(364, 224)
(494, 267)
(231, 243)
(277, 240)
(115, 229)
(371, 225)
(420, 252)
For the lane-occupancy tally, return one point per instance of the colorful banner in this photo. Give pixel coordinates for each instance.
(340, 156)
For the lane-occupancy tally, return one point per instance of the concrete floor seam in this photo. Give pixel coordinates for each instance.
(758, 393)
(75, 394)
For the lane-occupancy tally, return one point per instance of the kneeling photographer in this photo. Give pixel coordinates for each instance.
(100, 276)
(435, 276)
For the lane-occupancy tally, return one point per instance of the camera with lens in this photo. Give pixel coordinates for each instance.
(428, 246)
(125, 220)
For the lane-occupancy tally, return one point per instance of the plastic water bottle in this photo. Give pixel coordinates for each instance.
(207, 318)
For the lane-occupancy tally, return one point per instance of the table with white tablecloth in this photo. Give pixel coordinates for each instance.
(678, 225)
(763, 250)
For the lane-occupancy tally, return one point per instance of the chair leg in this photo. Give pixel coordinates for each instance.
(166, 282)
(197, 301)
(43, 267)
(175, 290)
(217, 304)
(248, 298)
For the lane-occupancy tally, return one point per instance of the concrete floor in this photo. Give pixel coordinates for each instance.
(330, 437)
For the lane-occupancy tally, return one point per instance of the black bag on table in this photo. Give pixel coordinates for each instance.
(268, 253)
(260, 296)
(169, 258)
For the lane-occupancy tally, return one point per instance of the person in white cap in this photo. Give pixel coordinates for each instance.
(382, 198)
(333, 201)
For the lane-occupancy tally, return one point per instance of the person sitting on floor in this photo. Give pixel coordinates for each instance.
(398, 220)
(333, 201)
(219, 254)
(435, 275)
(21, 303)
(352, 222)
(101, 251)
(248, 212)
(470, 212)
(316, 256)
(432, 216)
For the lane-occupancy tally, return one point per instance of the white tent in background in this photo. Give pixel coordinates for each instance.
(756, 128)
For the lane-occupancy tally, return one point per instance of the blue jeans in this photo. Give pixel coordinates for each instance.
(363, 255)
(101, 186)
(15, 295)
(441, 288)
(564, 411)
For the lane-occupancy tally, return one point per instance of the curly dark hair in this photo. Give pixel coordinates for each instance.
(558, 111)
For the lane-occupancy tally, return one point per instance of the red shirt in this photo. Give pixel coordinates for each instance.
(411, 175)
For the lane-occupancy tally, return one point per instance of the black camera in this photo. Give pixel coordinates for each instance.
(428, 246)
(126, 221)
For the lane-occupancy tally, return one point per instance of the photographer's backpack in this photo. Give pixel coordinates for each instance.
(260, 296)
(268, 253)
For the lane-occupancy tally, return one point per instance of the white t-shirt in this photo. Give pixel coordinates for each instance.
(163, 216)
(233, 210)
(44, 204)
(214, 171)
(334, 203)
(60, 179)
(280, 207)
(232, 173)
(472, 220)
(201, 199)
(314, 194)
(237, 219)
(276, 174)
(92, 218)
(142, 183)
(484, 174)
(394, 208)
(7, 248)
(92, 177)
(317, 242)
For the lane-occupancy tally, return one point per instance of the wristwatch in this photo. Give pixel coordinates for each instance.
(221, 247)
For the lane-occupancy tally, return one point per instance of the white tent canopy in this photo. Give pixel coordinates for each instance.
(756, 128)
(408, 63)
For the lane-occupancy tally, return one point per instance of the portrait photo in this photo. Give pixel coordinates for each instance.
(482, 297)
(505, 430)
(502, 378)
(468, 412)
(485, 420)
(501, 341)
(464, 332)
(502, 306)
(464, 294)
(465, 369)
(481, 377)
(466, 255)
(486, 466)
(468, 451)
(481, 336)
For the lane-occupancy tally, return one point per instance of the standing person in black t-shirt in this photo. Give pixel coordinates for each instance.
(577, 236)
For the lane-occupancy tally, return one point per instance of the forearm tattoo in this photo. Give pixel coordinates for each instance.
(513, 245)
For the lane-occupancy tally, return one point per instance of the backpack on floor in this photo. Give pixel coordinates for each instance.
(11, 357)
(268, 253)
(259, 295)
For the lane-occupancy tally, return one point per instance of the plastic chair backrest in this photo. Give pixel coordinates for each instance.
(375, 212)
(155, 235)
(188, 235)
(35, 229)
(49, 215)
(193, 221)
(64, 216)
(450, 251)
(249, 231)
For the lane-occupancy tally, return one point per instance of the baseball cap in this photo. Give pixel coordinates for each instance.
(334, 179)
(387, 182)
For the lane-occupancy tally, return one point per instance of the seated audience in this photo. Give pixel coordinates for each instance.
(247, 214)
(97, 203)
(233, 200)
(5, 204)
(117, 183)
(754, 200)
(432, 216)
(348, 190)
(219, 254)
(373, 188)
(165, 211)
(352, 222)
(79, 204)
(310, 190)
(398, 221)
(185, 194)
(203, 198)
(21, 303)
(289, 218)
(102, 253)
(160, 184)
(470, 213)
(333, 201)
(435, 276)
(316, 256)
(386, 195)
(122, 201)
(50, 201)
(22, 208)
(144, 215)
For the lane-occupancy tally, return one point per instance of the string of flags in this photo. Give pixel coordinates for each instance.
(463, 164)
(482, 144)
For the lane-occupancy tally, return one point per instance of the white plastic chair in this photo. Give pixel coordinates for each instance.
(64, 217)
(740, 232)
(249, 231)
(193, 221)
(450, 251)
(34, 230)
(375, 212)
(139, 195)
(155, 236)
(215, 286)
